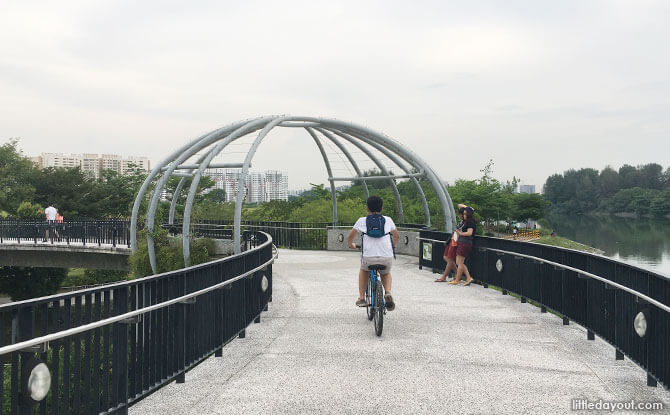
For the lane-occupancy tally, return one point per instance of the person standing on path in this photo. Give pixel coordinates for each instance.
(465, 238)
(50, 213)
(449, 254)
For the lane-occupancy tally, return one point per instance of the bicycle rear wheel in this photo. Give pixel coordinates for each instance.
(379, 308)
(368, 299)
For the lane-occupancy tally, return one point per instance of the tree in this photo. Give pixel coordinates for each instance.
(113, 195)
(216, 196)
(586, 190)
(16, 174)
(318, 191)
(660, 204)
(208, 210)
(628, 176)
(651, 176)
(27, 210)
(69, 190)
(608, 182)
(24, 283)
(528, 206)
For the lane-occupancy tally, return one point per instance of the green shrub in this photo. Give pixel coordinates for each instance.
(81, 277)
(22, 283)
(169, 253)
(27, 210)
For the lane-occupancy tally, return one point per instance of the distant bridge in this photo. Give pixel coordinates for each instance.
(60, 255)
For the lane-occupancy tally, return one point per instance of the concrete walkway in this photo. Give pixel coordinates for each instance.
(445, 349)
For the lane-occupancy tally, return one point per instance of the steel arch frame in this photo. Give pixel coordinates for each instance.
(216, 141)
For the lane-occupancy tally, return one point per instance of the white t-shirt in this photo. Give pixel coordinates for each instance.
(51, 213)
(376, 246)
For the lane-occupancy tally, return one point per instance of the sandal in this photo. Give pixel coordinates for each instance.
(440, 280)
(454, 282)
(468, 282)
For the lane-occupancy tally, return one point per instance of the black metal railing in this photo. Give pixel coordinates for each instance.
(86, 232)
(292, 235)
(603, 295)
(108, 347)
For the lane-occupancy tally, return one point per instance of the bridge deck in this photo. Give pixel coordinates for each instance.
(444, 349)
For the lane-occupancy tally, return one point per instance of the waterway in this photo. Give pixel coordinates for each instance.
(641, 242)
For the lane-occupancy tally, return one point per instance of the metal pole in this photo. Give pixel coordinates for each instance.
(329, 170)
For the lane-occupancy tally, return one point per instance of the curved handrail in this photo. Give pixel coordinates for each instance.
(55, 297)
(588, 274)
(100, 323)
(593, 303)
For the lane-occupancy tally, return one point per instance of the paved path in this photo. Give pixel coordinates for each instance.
(444, 349)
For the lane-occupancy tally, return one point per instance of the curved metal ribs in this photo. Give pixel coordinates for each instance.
(216, 141)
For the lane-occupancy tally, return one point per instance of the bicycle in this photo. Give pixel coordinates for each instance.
(374, 297)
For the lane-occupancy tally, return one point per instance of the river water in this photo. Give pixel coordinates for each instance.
(641, 242)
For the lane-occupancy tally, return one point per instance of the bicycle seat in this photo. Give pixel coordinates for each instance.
(377, 267)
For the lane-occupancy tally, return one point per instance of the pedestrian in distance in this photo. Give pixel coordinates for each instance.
(449, 254)
(50, 213)
(466, 237)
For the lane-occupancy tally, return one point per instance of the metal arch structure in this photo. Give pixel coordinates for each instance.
(209, 145)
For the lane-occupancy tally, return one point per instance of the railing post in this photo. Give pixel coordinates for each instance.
(120, 356)
(25, 332)
(180, 328)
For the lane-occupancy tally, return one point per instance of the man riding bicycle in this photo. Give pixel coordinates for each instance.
(379, 236)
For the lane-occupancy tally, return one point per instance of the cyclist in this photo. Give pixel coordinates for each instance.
(379, 236)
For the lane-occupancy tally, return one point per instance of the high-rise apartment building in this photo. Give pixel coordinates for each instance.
(276, 185)
(90, 163)
(527, 188)
(110, 162)
(258, 187)
(131, 163)
(58, 160)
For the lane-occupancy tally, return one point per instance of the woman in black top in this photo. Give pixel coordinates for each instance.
(465, 237)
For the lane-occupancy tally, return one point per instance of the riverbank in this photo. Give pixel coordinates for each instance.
(566, 243)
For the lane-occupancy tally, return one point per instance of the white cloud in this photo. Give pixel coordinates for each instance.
(559, 85)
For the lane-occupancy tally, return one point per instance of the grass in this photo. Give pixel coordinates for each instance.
(566, 243)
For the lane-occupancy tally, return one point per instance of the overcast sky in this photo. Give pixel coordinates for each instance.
(537, 86)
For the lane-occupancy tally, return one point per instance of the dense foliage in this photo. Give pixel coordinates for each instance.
(22, 283)
(492, 200)
(642, 190)
(88, 277)
(25, 189)
(169, 253)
